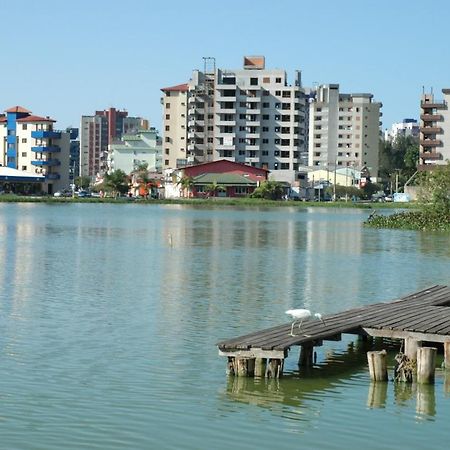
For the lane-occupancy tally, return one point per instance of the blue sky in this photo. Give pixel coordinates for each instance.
(68, 58)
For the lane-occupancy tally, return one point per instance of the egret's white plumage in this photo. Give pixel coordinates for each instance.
(301, 315)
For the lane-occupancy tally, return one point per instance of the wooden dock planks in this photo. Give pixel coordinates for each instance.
(426, 311)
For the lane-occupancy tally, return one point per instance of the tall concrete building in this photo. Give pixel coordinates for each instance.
(344, 130)
(30, 144)
(250, 115)
(434, 140)
(100, 130)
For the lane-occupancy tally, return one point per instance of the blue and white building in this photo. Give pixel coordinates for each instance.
(31, 145)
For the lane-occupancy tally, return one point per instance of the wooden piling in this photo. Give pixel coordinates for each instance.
(426, 363)
(377, 365)
(245, 367)
(260, 367)
(411, 346)
(447, 355)
(306, 356)
(274, 368)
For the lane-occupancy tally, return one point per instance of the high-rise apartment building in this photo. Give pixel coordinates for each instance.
(344, 129)
(434, 140)
(99, 131)
(30, 143)
(250, 115)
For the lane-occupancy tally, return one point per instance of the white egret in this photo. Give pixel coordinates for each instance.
(301, 315)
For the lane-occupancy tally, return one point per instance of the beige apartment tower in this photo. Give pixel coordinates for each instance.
(344, 130)
(250, 115)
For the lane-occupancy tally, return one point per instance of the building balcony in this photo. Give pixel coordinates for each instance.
(431, 130)
(52, 176)
(11, 153)
(425, 105)
(430, 143)
(46, 149)
(226, 123)
(46, 162)
(222, 98)
(431, 156)
(46, 134)
(431, 117)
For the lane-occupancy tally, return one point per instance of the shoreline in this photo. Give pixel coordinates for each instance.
(247, 202)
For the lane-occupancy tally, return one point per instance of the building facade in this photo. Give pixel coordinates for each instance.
(32, 145)
(344, 130)
(134, 149)
(250, 115)
(434, 140)
(100, 130)
(408, 127)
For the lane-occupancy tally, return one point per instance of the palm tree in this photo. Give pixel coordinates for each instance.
(141, 176)
(186, 184)
(117, 182)
(214, 188)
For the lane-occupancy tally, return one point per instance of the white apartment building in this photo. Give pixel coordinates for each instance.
(434, 140)
(408, 127)
(135, 149)
(30, 144)
(344, 130)
(250, 115)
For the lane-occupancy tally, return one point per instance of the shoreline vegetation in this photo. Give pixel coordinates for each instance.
(213, 201)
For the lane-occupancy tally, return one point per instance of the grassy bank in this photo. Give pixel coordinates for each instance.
(247, 202)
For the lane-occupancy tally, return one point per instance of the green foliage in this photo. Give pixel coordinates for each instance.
(369, 189)
(116, 182)
(411, 220)
(186, 184)
(83, 181)
(269, 190)
(435, 190)
(399, 156)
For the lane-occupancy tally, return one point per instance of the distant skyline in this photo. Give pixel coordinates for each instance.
(69, 59)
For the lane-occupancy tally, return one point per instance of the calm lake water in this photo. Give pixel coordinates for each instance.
(109, 315)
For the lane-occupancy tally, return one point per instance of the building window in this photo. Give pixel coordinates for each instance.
(285, 142)
(253, 81)
(167, 128)
(277, 141)
(24, 154)
(24, 140)
(167, 116)
(24, 126)
(277, 80)
(285, 166)
(265, 141)
(266, 80)
(167, 151)
(265, 117)
(166, 162)
(24, 168)
(265, 129)
(278, 93)
(167, 139)
(167, 105)
(266, 105)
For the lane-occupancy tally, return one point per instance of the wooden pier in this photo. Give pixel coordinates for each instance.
(420, 317)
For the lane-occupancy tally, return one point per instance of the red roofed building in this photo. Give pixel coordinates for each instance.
(220, 178)
(32, 146)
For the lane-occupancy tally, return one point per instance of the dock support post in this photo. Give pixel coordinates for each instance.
(426, 362)
(244, 367)
(260, 367)
(306, 356)
(447, 355)
(377, 365)
(411, 346)
(274, 368)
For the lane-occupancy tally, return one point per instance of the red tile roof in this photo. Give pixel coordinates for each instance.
(179, 88)
(17, 109)
(2, 118)
(35, 119)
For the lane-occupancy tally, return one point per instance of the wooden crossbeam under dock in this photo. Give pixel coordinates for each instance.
(422, 316)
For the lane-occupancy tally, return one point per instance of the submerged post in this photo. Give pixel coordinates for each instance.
(426, 362)
(274, 368)
(306, 356)
(377, 365)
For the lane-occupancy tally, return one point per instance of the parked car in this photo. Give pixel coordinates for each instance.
(83, 194)
(63, 193)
